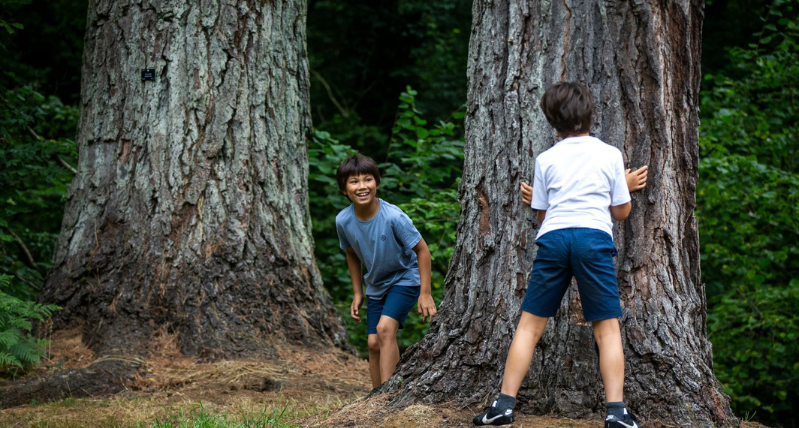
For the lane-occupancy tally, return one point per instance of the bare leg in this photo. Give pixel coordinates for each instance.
(611, 358)
(374, 359)
(530, 329)
(389, 350)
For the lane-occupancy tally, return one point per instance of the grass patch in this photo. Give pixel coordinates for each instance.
(149, 413)
(201, 418)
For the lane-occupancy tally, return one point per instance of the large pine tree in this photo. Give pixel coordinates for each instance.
(189, 210)
(641, 61)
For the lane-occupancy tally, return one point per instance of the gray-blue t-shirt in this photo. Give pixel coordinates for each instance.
(384, 244)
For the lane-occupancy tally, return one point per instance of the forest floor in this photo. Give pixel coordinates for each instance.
(301, 388)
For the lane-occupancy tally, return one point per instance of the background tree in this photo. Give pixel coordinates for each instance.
(189, 208)
(642, 63)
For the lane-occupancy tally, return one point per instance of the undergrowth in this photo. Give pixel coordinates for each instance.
(19, 349)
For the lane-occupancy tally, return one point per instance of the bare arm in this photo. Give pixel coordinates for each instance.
(620, 212)
(426, 306)
(636, 180)
(356, 274)
(540, 215)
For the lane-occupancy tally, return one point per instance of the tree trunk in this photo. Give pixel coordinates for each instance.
(641, 61)
(190, 207)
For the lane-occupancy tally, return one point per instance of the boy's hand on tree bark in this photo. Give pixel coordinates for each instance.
(527, 194)
(426, 306)
(355, 307)
(636, 180)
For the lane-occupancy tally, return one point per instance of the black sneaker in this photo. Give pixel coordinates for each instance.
(628, 421)
(495, 417)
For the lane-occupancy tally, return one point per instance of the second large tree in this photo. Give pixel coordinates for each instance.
(641, 61)
(189, 211)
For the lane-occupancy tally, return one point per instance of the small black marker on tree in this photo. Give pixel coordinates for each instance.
(147, 74)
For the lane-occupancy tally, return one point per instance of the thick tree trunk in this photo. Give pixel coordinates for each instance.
(641, 61)
(190, 208)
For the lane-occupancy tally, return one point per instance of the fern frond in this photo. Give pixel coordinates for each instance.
(48, 310)
(9, 338)
(17, 347)
(20, 323)
(26, 353)
(26, 309)
(8, 360)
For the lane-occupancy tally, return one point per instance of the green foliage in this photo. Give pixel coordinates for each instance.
(728, 23)
(44, 51)
(747, 201)
(10, 27)
(420, 174)
(759, 369)
(754, 103)
(362, 53)
(34, 178)
(748, 221)
(439, 53)
(17, 347)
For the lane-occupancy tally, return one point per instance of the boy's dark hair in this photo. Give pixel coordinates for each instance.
(356, 165)
(568, 107)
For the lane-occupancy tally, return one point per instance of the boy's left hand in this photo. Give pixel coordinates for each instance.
(527, 193)
(426, 306)
(636, 180)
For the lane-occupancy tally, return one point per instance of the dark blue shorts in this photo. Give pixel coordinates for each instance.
(586, 254)
(396, 303)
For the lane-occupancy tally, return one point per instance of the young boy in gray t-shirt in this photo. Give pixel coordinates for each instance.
(380, 236)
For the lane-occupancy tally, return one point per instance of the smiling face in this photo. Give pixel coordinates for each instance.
(362, 190)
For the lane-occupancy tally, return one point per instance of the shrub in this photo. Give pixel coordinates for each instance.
(35, 172)
(747, 196)
(18, 348)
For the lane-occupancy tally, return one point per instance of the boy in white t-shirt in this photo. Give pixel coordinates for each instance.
(580, 184)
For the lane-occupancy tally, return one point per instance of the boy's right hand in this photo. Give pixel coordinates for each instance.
(527, 194)
(636, 180)
(355, 307)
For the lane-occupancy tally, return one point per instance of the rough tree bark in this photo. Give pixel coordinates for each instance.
(190, 206)
(105, 376)
(641, 61)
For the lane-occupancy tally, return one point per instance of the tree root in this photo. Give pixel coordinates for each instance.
(107, 375)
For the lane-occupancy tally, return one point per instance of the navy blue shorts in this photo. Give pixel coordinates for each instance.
(586, 254)
(396, 303)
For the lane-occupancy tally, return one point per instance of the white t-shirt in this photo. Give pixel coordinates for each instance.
(576, 181)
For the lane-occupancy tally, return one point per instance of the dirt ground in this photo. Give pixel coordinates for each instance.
(307, 389)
